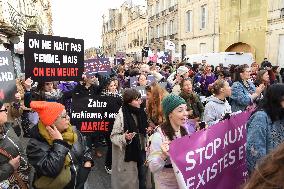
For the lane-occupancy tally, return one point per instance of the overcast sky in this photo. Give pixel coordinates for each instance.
(82, 19)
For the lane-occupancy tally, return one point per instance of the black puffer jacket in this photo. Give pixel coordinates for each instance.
(10, 142)
(49, 160)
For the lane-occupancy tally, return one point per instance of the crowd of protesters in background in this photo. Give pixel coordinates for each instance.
(182, 99)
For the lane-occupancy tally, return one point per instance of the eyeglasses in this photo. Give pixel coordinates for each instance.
(5, 110)
(64, 116)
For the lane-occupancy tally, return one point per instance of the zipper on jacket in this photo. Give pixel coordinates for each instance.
(74, 169)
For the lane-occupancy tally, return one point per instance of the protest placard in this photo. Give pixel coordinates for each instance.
(120, 55)
(52, 58)
(214, 158)
(134, 80)
(97, 66)
(91, 114)
(8, 87)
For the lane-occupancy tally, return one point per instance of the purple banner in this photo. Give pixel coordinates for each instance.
(97, 65)
(213, 158)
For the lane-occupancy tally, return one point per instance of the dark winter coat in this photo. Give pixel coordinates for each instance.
(49, 160)
(10, 142)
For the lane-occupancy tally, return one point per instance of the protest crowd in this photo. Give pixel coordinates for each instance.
(138, 110)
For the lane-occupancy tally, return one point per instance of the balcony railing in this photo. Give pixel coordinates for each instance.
(173, 8)
(14, 24)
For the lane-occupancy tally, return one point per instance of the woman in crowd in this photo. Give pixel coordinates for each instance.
(117, 84)
(181, 73)
(57, 150)
(207, 78)
(244, 92)
(128, 139)
(121, 77)
(142, 80)
(176, 76)
(155, 94)
(46, 91)
(217, 106)
(276, 70)
(194, 105)
(111, 92)
(269, 173)
(262, 77)
(265, 127)
(175, 111)
(14, 169)
(254, 70)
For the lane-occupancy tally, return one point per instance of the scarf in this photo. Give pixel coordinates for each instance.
(133, 150)
(68, 136)
(54, 95)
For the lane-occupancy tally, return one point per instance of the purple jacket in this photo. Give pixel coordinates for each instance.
(205, 82)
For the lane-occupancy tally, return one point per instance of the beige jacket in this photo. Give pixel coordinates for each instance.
(124, 174)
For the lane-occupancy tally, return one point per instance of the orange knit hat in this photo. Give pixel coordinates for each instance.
(48, 111)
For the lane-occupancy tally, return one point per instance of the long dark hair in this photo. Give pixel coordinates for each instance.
(271, 102)
(238, 70)
(169, 131)
(269, 173)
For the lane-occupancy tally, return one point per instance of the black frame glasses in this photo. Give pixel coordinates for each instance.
(5, 110)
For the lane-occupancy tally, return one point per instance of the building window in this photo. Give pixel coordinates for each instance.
(165, 29)
(254, 8)
(171, 27)
(282, 13)
(203, 16)
(234, 3)
(150, 11)
(157, 7)
(151, 33)
(202, 48)
(189, 21)
(158, 31)
(172, 3)
(162, 30)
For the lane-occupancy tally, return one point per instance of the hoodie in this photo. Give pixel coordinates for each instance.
(215, 109)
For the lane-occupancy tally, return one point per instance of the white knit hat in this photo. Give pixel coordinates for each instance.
(182, 70)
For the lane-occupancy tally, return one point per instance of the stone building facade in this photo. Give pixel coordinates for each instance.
(17, 17)
(198, 26)
(125, 30)
(275, 33)
(243, 26)
(163, 23)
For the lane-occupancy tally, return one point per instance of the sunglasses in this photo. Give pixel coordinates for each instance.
(5, 110)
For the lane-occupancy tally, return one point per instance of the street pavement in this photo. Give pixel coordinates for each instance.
(98, 178)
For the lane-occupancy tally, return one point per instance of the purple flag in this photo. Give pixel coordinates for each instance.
(213, 158)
